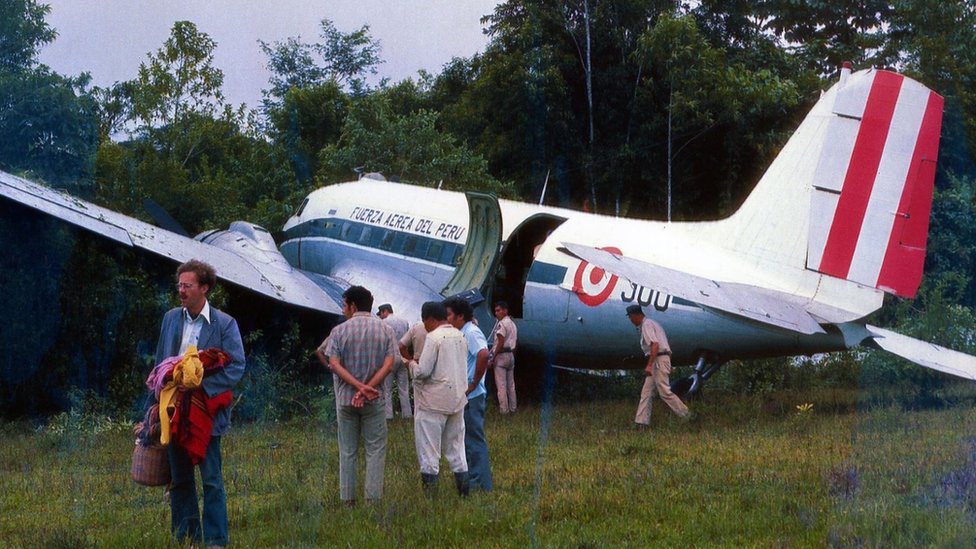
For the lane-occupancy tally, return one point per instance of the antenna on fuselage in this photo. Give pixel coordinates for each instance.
(545, 185)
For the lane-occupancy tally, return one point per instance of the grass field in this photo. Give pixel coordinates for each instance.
(756, 472)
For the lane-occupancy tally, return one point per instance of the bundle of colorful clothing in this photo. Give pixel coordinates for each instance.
(184, 413)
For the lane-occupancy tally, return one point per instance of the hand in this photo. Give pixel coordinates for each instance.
(358, 400)
(369, 392)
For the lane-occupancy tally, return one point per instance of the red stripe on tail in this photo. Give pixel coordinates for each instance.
(861, 173)
(901, 271)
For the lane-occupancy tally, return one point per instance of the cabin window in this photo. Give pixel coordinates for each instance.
(421, 249)
(364, 236)
(410, 245)
(435, 250)
(387, 242)
(350, 231)
(398, 242)
(330, 229)
(376, 236)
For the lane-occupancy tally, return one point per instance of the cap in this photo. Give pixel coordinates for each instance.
(634, 310)
(384, 307)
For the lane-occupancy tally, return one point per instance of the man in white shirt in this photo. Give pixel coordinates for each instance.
(440, 381)
(655, 345)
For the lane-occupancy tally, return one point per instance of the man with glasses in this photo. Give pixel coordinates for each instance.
(196, 323)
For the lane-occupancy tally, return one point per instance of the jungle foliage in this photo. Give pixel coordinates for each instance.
(615, 101)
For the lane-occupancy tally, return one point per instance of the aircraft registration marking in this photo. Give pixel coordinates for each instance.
(646, 297)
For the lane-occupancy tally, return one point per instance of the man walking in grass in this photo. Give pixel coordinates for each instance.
(440, 381)
(654, 343)
(361, 351)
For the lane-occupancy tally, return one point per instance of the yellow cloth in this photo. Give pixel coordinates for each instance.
(187, 374)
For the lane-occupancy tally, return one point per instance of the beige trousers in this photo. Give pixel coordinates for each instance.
(658, 383)
(401, 374)
(505, 382)
(434, 432)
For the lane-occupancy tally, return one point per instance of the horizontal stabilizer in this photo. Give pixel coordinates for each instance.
(924, 353)
(769, 307)
(240, 262)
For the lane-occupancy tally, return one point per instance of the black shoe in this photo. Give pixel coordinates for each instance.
(430, 484)
(463, 483)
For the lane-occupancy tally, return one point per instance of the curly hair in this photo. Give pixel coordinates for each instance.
(206, 275)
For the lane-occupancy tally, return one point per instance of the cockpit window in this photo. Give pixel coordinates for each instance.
(302, 207)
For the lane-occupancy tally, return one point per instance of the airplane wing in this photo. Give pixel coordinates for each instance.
(238, 256)
(923, 353)
(769, 307)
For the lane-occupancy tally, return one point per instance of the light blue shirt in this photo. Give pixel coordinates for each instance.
(476, 341)
(192, 327)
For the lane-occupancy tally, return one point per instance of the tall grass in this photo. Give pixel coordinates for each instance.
(755, 471)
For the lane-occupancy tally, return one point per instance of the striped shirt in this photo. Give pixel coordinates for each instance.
(361, 344)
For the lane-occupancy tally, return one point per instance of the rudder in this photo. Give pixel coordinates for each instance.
(872, 188)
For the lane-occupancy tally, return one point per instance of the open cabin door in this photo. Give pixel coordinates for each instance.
(482, 246)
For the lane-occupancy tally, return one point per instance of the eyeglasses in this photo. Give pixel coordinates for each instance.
(185, 285)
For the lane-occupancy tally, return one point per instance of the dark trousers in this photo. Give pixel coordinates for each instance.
(185, 521)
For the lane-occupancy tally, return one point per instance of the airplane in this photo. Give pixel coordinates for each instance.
(838, 219)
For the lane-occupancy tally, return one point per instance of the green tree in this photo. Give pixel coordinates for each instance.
(178, 80)
(48, 126)
(192, 153)
(309, 118)
(344, 59)
(47, 121)
(825, 34)
(307, 102)
(408, 147)
(23, 32)
(586, 88)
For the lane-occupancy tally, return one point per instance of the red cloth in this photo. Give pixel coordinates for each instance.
(192, 421)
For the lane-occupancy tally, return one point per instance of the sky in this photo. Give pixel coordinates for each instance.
(109, 38)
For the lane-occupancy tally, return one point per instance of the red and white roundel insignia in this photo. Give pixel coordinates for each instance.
(592, 284)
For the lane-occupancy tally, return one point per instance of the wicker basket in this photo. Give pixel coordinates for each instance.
(150, 465)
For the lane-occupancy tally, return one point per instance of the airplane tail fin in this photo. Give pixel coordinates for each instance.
(850, 194)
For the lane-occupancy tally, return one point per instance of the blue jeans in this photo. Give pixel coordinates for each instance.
(185, 521)
(475, 445)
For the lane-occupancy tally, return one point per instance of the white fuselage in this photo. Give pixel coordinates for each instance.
(403, 242)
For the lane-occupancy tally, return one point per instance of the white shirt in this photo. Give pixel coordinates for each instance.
(441, 377)
(192, 327)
